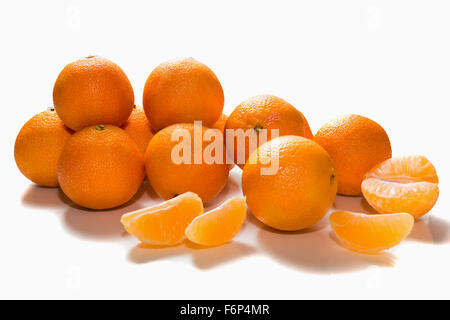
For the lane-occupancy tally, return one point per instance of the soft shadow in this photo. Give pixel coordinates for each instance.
(101, 224)
(431, 229)
(38, 196)
(209, 257)
(355, 204)
(144, 253)
(318, 252)
(232, 187)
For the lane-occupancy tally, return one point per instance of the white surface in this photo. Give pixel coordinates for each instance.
(388, 60)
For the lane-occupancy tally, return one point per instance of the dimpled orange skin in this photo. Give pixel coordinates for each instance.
(356, 144)
(38, 147)
(300, 193)
(138, 127)
(169, 179)
(265, 112)
(182, 91)
(100, 167)
(92, 91)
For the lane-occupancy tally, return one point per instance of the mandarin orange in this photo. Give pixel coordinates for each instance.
(92, 91)
(263, 112)
(182, 91)
(100, 167)
(38, 147)
(356, 144)
(289, 183)
(175, 162)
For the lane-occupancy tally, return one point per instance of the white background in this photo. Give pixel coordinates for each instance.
(388, 60)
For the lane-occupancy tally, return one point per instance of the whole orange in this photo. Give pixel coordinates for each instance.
(173, 169)
(356, 144)
(258, 113)
(100, 167)
(91, 91)
(296, 193)
(138, 127)
(38, 147)
(182, 91)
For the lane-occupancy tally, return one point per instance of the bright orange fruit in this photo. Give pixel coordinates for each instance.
(356, 144)
(100, 167)
(182, 91)
(164, 224)
(38, 147)
(172, 169)
(297, 187)
(219, 225)
(92, 91)
(367, 233)
(402, 184)
(263, 112)
(138, 127)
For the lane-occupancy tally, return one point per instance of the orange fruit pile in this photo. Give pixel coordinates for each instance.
(97, 145)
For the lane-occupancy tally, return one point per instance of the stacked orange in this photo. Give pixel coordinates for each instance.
(96, 144)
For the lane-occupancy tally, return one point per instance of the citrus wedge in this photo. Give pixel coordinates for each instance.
(164, 224)
(367, 233)
(402, 184)
(219, 225)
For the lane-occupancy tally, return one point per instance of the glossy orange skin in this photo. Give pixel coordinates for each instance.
(138, 127)
(300, 193)
(92, 91)
(100, 168)
(356, 144)
(169, 179)
(38, 147)
(182, 91)
(265, 112)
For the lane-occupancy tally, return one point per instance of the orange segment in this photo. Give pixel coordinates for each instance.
(406, 168)
(218, 226)
(402, 184)
(370, 233)
(165, 223)
(390, 197)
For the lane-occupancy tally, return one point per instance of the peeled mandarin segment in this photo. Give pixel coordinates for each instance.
(165, 223)
(407, 169)
(415, 198)
(370, 233)
(402, 184)
(218, 226)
